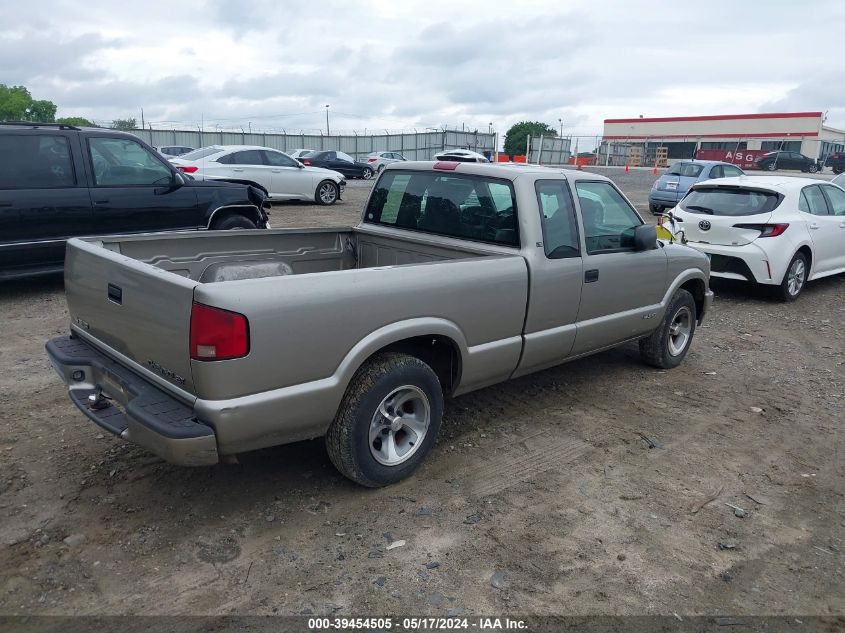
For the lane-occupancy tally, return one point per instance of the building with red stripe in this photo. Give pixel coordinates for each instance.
(683, 137)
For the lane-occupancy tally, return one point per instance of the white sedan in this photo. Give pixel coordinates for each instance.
(282, 177)
(780, 232)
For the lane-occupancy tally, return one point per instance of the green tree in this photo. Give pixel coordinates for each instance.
(77, 121)
(517, 135)
(17, 104)
(124, 124)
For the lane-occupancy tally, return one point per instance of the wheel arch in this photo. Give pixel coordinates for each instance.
(247, 210)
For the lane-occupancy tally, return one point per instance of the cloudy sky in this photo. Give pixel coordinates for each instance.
(403, 64)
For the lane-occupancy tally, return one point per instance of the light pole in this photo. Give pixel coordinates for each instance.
(328, 133)
(561, 127)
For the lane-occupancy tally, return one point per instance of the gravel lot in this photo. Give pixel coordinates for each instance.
(598, 487)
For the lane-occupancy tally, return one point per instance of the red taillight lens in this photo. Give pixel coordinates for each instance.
(766, 230)
(187, 169)
(371, 160)
(218, 334)
(305, 161)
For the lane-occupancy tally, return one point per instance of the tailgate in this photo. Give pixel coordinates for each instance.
(135, 309)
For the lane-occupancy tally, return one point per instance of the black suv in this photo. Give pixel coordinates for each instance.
(60, 181)
(787, 160)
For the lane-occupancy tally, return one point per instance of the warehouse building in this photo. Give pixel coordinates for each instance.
(652, 140)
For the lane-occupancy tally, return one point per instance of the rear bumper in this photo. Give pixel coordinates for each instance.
(668, 198)
(133, 408)
(748, 262)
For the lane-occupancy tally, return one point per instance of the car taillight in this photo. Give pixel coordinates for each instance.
(766, 230)
(187, 169)
(218, 334)
(304, 161)
(371, 160)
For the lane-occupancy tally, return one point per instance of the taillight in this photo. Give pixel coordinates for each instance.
(218, 334)
(187, 169)
(305, 161)
(766, 230)
(371, 160)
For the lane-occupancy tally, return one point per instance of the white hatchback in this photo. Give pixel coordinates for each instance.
(282, 177)
(780, 232)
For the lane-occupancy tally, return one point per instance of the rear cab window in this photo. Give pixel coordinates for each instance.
(453, 205)
(730, 201)
(35, 161)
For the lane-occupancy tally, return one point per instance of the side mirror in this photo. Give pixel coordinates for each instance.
(645, 237)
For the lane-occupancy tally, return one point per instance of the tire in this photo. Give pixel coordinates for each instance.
(837, 170)
(794, 279)
(813, 168)
(367, 173)
(233, 222)
(664, 348)
(654, 208)
(354, 439)
(771, 167)
(327, 193)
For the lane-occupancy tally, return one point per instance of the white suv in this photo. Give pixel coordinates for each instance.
(780, 232)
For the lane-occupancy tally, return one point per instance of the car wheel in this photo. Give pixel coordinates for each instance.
(837, 170)
(233, 222)
(655, 208)
(667, 346)
(795, 278)
(388, 420)
(813, 168)
(367, 173)
(771, 167)
(327, 193)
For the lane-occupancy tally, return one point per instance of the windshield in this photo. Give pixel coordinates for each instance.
(685, 169)
(202, 152)
(730, 201)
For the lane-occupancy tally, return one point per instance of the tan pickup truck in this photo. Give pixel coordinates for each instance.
(458, 276)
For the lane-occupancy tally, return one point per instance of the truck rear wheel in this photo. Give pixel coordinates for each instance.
(233, 222)
(667, 346)
(388, 420)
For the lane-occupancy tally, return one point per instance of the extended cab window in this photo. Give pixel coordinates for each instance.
(560, 232)
(609, 221)
(121, 162)
(35, 161)
(462, 206)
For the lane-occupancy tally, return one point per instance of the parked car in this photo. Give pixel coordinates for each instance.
(773, 161)
(674, 184)
(171, 151)
(781, 232)
(282, 177)
(339, 162)
(299, 153)
(445, 286)
(836, 162)
(379, 160)
(461, 156)
(60, 181)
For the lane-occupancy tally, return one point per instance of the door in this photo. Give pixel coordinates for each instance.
(287, 178)
(827, 230)
(44, 199)
(342, 163)
(133, 190)
(622, 287)
(246, 164)
(556, 279)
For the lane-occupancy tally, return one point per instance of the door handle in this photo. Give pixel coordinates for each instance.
(591, 275)
(841, 225)
(277, 171)
(5, 204)
(814, 226)
(100, 202)
(236, 169)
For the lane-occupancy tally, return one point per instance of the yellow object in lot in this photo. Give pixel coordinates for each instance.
(664, 234)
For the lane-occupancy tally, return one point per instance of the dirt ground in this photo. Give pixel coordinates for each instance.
(598, 487)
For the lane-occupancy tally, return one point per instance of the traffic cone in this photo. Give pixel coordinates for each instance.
(654, 171)
(626, 168)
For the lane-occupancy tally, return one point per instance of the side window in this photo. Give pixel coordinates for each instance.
(560, 232)
(122, 162)
(717, 172)
(246, 157)
(277, 159)
(815, 201)
(35, 161)
(609, 221)
(836, 198)
(346, 157)
(730, 172)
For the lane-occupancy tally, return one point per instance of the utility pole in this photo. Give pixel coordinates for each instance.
(328, 132)
(142, 119)
(561, 127)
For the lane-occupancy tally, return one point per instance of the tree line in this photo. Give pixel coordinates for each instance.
(17, 104)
